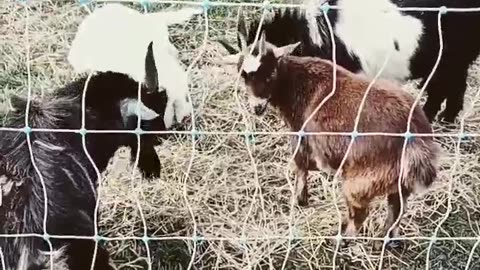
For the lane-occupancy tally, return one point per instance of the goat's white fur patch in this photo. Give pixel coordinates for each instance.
(256, 101)
(370, 29)
(115, 38)
(251, 63)
(128, 107)
(311, 11)
(48, 145)
(231, 59)
(59, 259)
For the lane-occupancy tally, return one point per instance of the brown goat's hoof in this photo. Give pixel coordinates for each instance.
(395, 244)
(302, 202)
(345, 243)
(392, 244)
(377, 245)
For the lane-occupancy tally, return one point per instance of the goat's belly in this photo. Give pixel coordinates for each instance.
(323, 165)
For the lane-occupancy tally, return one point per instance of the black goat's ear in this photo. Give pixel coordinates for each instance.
(151, 74)
(18, 103)
(130, 106)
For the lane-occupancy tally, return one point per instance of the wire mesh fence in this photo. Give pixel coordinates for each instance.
(226, 195)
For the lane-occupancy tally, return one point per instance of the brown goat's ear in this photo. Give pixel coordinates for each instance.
(285, 50)
(231, 59)
(18, 103)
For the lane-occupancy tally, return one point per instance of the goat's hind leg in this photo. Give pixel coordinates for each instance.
(357, 200)
(357, 213)
(351, 224)
(393, 213)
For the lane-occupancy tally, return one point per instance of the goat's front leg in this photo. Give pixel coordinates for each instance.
(351, 224)
(80, 255)
(148, 160)
(357, 213)
(301, 186)
(301, 173)
(394, 213)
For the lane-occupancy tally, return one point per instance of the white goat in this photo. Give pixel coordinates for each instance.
(115, 37)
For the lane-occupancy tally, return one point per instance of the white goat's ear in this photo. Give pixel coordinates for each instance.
(128, 107)
(151, 74)
(285, 50)
(231, 59)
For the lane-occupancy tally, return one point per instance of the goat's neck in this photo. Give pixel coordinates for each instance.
(289, 93)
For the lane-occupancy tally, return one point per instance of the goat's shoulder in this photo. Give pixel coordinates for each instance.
(311, 65)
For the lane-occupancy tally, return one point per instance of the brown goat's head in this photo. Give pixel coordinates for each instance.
(258, 69)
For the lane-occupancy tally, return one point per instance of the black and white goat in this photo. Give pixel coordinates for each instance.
(113, 38)
(365, 32)
(69, 177)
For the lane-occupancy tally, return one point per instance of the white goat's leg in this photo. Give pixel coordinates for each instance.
(183, 108)
(169, 113)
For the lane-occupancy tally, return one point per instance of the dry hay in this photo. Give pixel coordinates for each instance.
(237, 194)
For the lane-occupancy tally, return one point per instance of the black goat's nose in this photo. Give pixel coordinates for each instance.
(259, 109)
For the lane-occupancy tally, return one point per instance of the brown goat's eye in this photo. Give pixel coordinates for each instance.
(248, 76)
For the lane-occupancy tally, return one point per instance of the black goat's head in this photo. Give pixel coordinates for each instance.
(114, 93)
(111, 101)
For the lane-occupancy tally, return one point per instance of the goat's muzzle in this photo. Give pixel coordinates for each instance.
(260, 109)
(258, 105)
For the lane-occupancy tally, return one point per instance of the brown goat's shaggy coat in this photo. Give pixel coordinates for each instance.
(297, 85)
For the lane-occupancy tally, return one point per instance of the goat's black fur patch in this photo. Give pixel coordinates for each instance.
(69, 177)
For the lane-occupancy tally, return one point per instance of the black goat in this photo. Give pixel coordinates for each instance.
(365, 33)
(69, 177)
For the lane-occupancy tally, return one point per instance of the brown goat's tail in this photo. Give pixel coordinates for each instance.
(420, 164)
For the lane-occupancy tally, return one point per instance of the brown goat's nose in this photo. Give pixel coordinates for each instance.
(259, 109)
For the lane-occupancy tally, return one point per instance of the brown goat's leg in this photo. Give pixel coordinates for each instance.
(357, 214)
(301, 187)
(301, 171)
(351, 224)
(393, 213)
(394, 205)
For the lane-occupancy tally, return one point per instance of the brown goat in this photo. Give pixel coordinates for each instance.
(297, 85)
